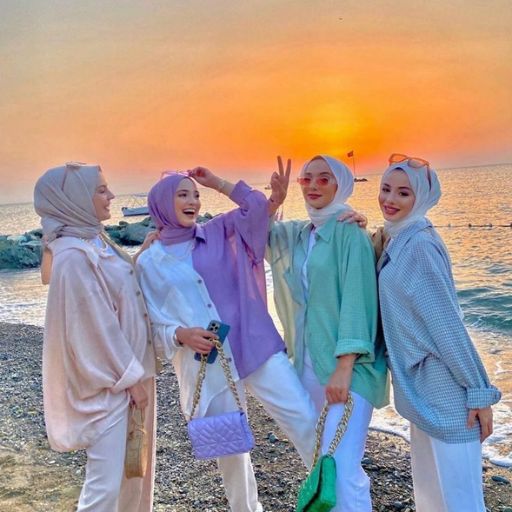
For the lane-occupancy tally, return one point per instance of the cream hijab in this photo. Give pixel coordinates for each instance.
(345, 180)
(63, 198)
(427, 192)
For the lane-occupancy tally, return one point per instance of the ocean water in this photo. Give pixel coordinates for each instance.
(474, 218)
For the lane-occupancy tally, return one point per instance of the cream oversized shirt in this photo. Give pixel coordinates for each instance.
(96, 342)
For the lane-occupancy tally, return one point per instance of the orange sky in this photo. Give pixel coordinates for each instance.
(144, 86)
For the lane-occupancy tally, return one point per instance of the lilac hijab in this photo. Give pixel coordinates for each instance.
(163, 213)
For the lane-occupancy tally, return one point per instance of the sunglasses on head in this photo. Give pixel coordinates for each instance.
(320, 181)
(172, 173)
(412, 161)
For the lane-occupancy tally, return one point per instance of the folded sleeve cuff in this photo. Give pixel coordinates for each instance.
(131, 376)
(239, 192)
(478, 398)
(361, 347)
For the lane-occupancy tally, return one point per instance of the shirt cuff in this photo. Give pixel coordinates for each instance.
(239, 192)
(360, 347)
(478, 398)
(131, 376)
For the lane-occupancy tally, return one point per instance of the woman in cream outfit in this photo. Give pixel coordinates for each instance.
(97, 353)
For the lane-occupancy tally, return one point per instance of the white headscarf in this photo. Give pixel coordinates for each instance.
(427, 195)
(345, 180)
(63, 198)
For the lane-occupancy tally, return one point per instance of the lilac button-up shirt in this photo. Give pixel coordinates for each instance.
(229, 256)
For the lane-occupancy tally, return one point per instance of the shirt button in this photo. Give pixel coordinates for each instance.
(137, 293)
(145, 315)
(208, 305)
(200, 281)
(131, 271)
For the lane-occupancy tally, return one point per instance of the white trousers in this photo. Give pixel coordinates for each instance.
(352, 483)
(276, 385)
(446, 477)
(105, 488)
(104, 470)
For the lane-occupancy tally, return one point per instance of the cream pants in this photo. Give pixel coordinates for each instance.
(446, 477)
(105, 489)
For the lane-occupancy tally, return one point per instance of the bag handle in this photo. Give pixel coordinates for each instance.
(202, 374)
(138, 418)
(340, 429)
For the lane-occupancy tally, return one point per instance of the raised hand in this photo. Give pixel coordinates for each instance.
(205, 177)
(280, 180)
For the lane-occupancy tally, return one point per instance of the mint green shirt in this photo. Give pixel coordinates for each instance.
(340, 313)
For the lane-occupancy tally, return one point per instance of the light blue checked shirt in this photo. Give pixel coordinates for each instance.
(437, 373)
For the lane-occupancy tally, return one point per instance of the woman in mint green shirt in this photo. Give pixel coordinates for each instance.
(326, 297)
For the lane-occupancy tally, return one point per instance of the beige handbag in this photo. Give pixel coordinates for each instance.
(136, 458)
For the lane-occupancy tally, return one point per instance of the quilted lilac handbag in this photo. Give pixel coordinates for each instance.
(224, 434)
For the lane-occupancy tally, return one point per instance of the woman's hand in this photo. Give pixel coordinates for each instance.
(354, 217)
(485, 419)
(148, 240)
(199, 340)
(279, 182)
(338, 387)
(206, 178)
(138, 395)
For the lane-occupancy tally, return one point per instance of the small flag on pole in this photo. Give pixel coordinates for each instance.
(350, 154)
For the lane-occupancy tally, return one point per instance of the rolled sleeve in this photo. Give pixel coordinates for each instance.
(131, 376)
(478, 398)
(359, 347)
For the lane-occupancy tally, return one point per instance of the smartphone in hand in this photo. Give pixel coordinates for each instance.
(221, 330)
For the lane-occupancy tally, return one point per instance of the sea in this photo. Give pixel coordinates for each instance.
(474, 217)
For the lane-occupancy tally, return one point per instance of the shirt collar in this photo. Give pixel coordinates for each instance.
(157, 249)
(325, 231)
(396, 244)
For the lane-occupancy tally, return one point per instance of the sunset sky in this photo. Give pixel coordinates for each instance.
(144, 86)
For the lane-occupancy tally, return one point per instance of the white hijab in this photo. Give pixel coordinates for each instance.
(427, 195)
(345, 180)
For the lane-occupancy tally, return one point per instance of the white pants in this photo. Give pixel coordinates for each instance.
(276, 385)
(446, 477)
(105, 488)
(352, 483)
(104, 470)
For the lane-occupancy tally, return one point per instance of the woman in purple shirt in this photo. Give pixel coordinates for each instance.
(195, 273)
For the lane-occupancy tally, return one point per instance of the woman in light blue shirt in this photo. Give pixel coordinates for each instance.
(326, 297)
(439, 382)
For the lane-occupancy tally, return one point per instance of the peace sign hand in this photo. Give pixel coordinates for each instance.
(279, 182)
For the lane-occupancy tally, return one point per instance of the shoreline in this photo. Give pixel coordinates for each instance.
(35, 478)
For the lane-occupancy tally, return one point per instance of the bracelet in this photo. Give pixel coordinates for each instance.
(221, 186)
(175, 339)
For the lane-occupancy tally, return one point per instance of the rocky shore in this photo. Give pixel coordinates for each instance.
(34, 478)
(24, 251)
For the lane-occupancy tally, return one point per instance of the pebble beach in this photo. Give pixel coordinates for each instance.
(34, 478)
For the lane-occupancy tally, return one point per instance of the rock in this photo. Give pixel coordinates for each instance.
(272, 437)
(500, 479)
(19, 253)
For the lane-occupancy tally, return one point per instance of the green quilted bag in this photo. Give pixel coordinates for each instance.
(318, 491)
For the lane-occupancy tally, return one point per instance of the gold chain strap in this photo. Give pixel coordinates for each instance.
(340, 429)
(202, 374)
